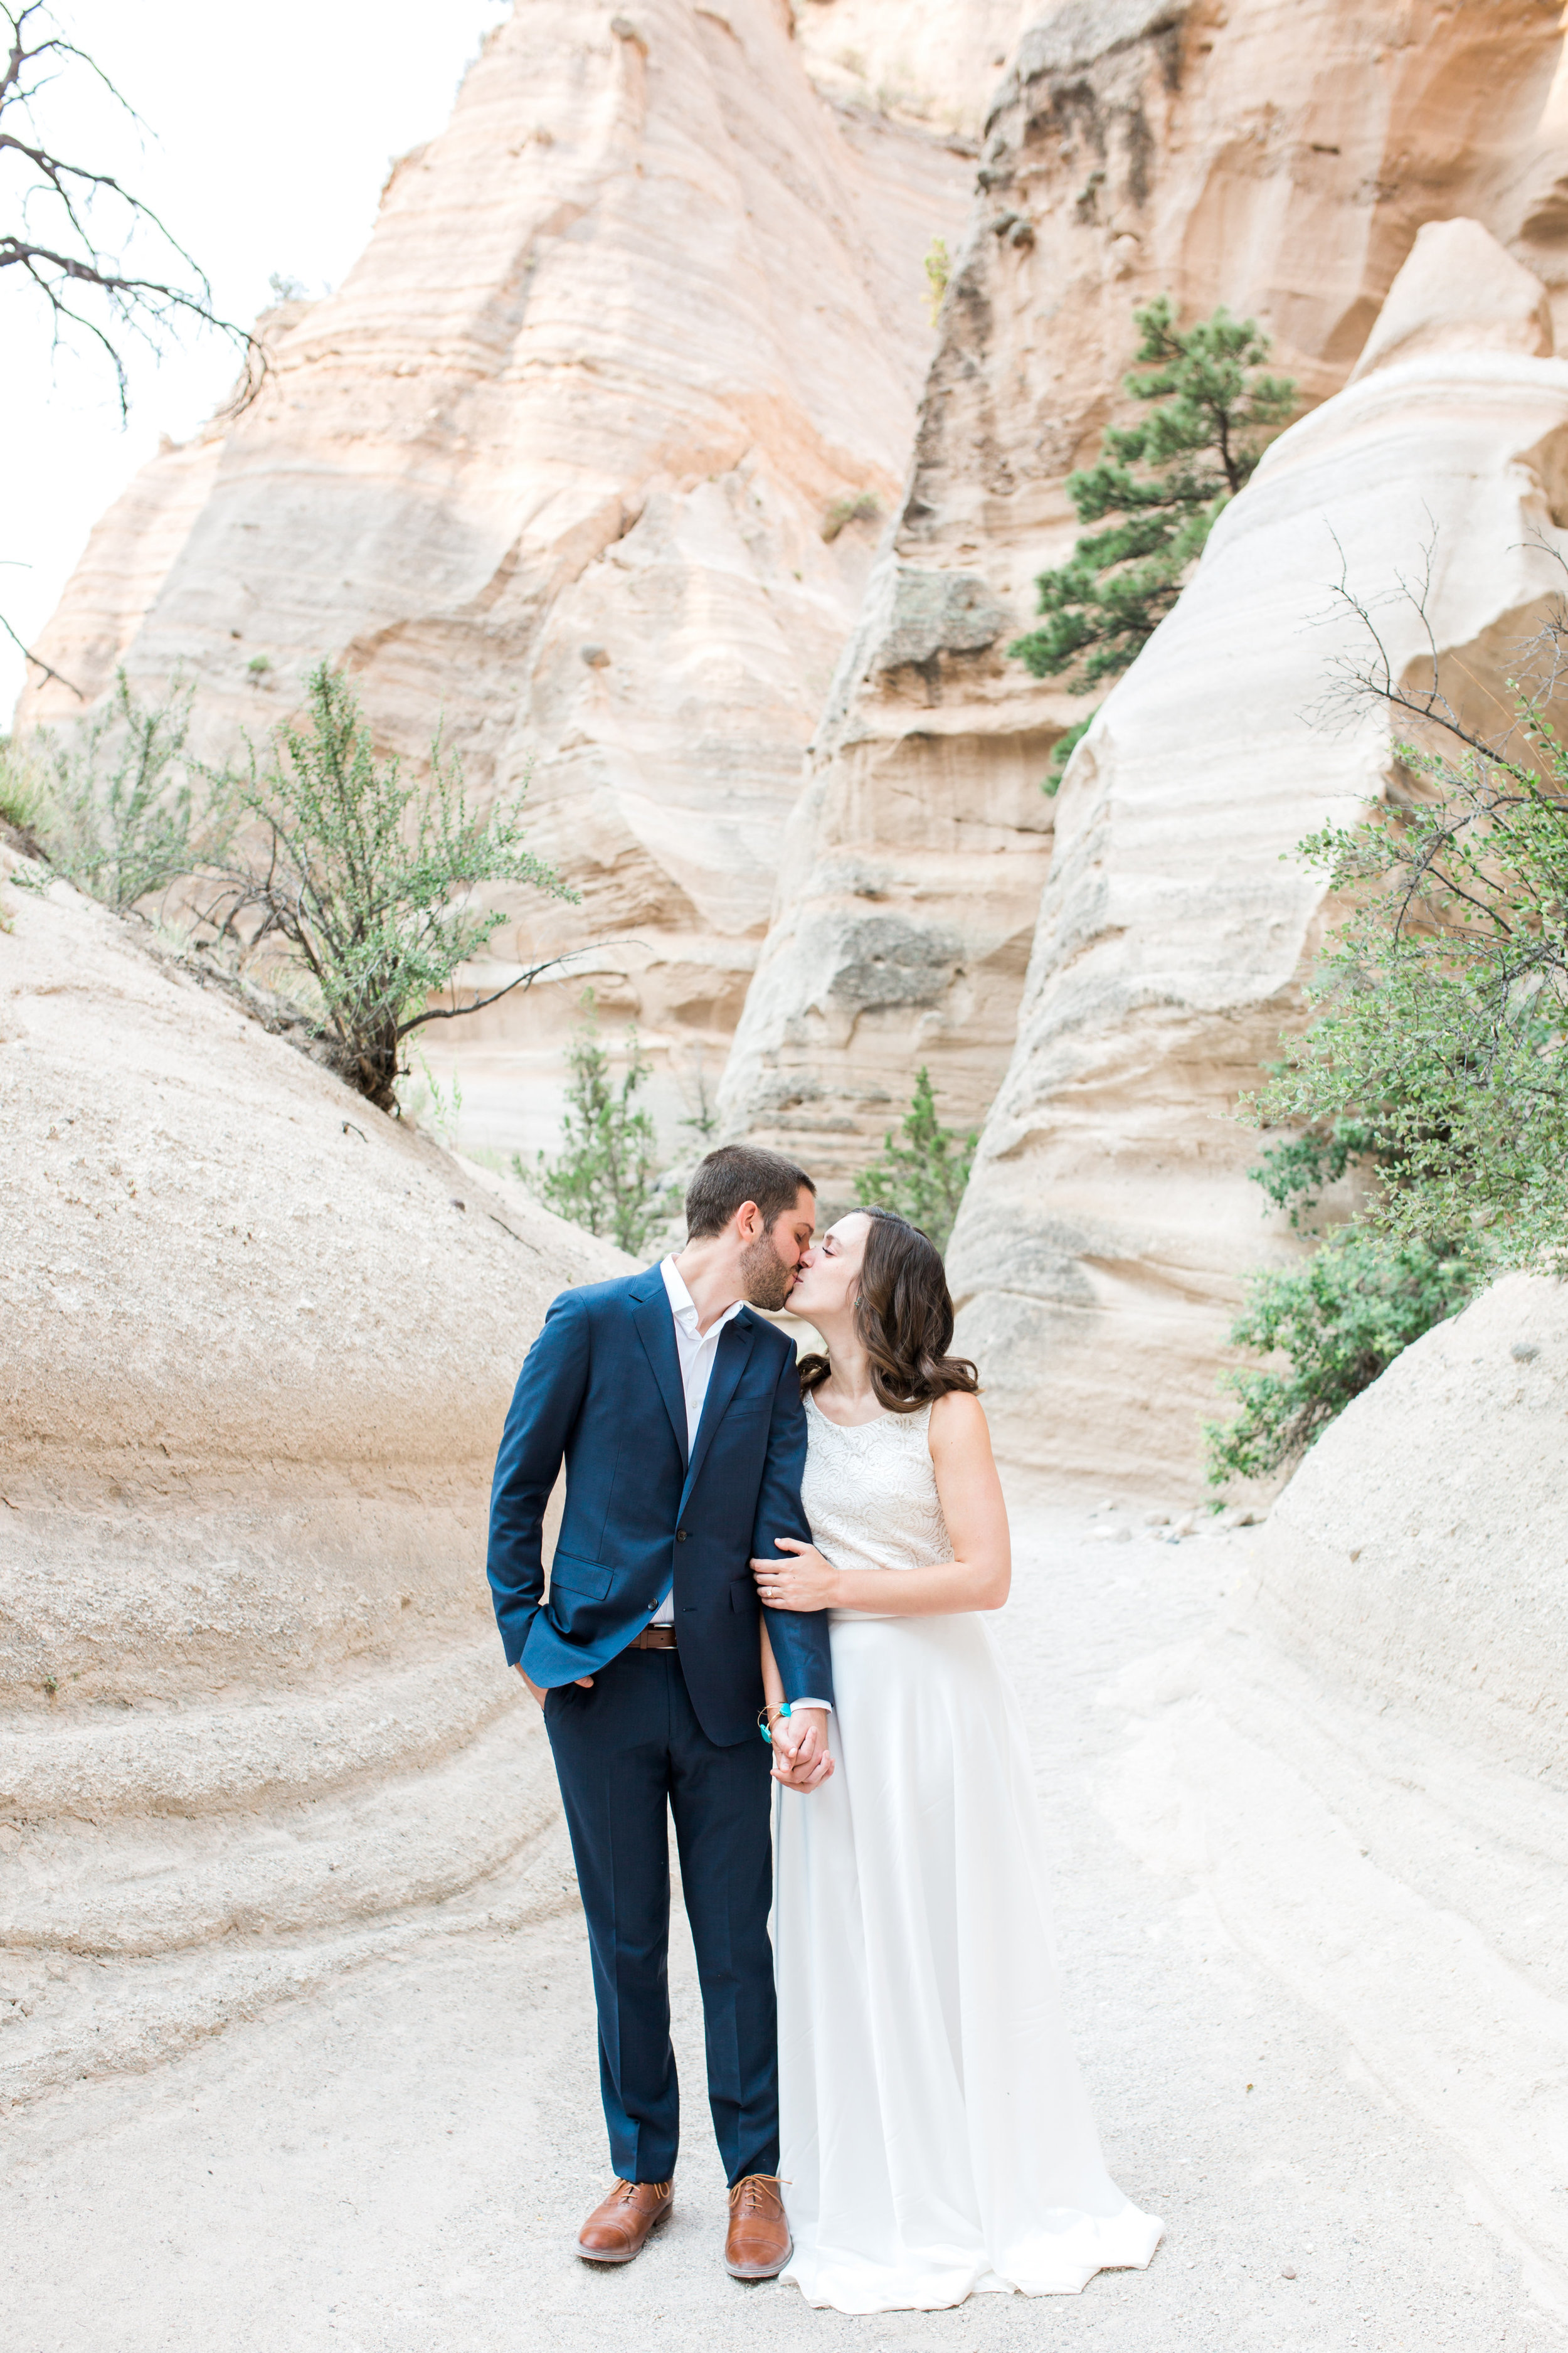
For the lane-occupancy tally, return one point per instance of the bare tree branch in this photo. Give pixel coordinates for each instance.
(85, 283)
(38, 660)
(523, 980)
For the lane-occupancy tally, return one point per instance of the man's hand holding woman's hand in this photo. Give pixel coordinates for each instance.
(801, 1755)
(802, 1580)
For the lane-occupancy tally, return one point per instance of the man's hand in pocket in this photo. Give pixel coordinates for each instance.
(540, 1690)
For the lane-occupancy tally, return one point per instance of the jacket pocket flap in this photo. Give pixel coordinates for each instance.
(589, 1576)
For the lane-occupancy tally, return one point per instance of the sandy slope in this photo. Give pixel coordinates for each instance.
(396, 2164)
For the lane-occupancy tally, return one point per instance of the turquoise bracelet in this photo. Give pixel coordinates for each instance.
(762, 1720)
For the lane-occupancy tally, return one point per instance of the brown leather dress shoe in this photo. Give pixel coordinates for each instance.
(758, 2244)
(617, 2228)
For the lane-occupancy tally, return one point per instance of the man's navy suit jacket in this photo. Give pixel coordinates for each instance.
(601, 1387)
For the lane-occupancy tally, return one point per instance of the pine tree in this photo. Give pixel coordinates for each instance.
(606, 1176)
(923, 1178)
(1159, 486)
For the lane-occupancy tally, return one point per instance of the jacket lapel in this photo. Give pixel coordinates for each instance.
(656, 1329)
(729, 1363)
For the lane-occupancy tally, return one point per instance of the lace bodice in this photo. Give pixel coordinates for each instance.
(870, 1494)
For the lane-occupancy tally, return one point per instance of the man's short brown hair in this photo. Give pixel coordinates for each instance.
(735, 1174)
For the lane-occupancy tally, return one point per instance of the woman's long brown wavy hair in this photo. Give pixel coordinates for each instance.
(903, 1315)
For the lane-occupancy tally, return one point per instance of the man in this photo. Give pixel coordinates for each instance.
(678, 1413)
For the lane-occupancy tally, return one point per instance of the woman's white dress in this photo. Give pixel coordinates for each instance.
(936, 2138)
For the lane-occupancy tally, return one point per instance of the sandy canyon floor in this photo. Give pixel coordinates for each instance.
(398, 2165)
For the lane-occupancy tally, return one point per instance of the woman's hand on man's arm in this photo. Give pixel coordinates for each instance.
(804, 1579)
(977, 1576)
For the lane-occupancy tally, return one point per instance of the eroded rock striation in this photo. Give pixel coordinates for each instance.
(1365, 1768)
(1276, 155)
(556, 463)
(1098, 1248)
(257, 1343)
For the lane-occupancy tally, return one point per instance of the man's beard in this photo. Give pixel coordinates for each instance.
(765, 1281)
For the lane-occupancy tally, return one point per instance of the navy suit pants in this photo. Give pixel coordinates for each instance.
(624, 1752)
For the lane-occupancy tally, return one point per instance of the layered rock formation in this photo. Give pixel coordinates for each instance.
(555, 462)
(1109, 1214)
(912, 62)
(256, 1346)
(1366, 1768)
(1276, 155)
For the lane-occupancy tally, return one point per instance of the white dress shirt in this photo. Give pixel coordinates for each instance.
(697, 1351)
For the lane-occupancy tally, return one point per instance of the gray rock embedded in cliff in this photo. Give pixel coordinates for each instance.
(937, 613)
(1081, 32)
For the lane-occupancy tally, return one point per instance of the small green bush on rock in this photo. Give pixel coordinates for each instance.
(122, 808)
(364, 879)
(1442, 1005)
(922, 1177)
(856, 506)
(607, 1176)
(23, 795)
(1339, 1321)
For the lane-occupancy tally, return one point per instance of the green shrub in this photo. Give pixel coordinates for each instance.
(1442, 1003)
(1437, 1059)
(1297, 1174)
(23, 792)
(365, 883)
(1339, 1320)
(121, 814)
(607, 1176)
(923, 1177)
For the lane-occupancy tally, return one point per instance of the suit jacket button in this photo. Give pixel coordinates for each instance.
(680, 1535)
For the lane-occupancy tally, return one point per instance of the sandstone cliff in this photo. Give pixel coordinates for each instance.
(1276, 155)
(255, 1345)
(912, 62)
(555, 461)
(1109, 1215)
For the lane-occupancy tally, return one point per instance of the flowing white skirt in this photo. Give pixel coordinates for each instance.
(936, 2138)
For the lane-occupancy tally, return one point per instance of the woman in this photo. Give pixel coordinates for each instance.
(936, 2138)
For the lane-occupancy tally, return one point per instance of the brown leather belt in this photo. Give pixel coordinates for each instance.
(654, 1637)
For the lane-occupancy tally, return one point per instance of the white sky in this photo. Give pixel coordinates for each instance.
(271, 131)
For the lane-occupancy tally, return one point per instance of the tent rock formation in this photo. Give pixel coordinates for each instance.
(1095, 1254)
(553, 464)
(1280, 156)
